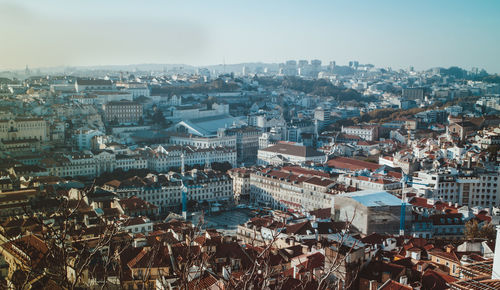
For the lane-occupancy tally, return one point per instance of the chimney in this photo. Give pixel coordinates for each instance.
(373, 285)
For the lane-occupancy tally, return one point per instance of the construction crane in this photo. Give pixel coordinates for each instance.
(402, 220)
(183, 188)
(184, 200)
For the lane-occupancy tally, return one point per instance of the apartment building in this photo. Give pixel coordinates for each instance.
(241, 183)
(136, 89)
(165, 190)
(247, 143)
(366, 132)
(123, 112)
(292, 188)
(24, 129)
(127, 162)
(413, 94)
(221, 140)
(374, 182)
(82, 85)
(480, 189)
(163, 159)
(84, 164)
(83, 138)
(370, 211)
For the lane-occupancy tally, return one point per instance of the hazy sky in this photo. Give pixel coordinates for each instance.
(385, 33)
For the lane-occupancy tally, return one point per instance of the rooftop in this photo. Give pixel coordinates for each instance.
(373, 198)
(294, 150)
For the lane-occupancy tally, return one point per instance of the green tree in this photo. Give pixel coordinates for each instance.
(474, 231)
(158, 118)
(488, 231)
(471, 229)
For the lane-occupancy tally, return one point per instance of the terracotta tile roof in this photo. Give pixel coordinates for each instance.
(352, 164)
(323, 182)
(450, 256)
(299, 170)
(135, 221)
(436, 279)
(476, 284)
(113, 183)
(135, 203)
(204, 282)
(447, 219)
(299, 228)
(393, 285)
(483, 217)
(322, 213)
(373, 239)
(151, 257)
(29, 249)
(481, 268)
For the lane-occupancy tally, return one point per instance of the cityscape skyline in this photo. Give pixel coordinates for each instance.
(204, 145)
(387, 34)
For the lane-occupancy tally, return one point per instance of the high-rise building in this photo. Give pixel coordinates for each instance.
(332, 65)
(289, 68)
(247, 143)
(413, 94)
(245, 71)
(303, 63)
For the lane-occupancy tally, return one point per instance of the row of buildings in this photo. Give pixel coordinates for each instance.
(158, 159)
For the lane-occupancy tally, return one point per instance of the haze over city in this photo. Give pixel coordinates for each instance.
(277, 145)
(397, 34)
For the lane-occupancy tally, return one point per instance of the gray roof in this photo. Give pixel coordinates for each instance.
(208, 126)
(294, 150)
(373, 198)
